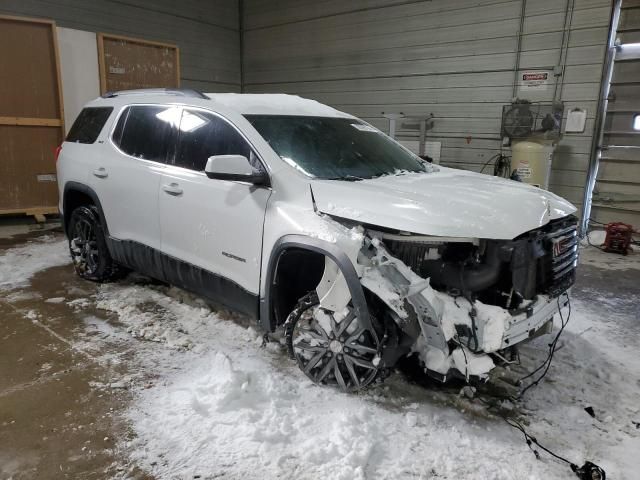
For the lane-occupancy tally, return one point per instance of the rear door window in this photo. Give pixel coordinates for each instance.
(147, 131)
(203, 135)
(89, 124)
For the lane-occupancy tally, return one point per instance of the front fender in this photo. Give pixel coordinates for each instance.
(333, 251)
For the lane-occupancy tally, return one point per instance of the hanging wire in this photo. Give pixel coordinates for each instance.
(552, 349)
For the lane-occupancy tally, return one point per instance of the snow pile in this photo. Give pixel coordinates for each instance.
(19, 264)
(220, 406)
(157, 315)
(596, 365)
(234, 410)
(233, 413)
(225, 407)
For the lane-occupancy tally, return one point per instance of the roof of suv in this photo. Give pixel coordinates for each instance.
(274, 104)
(242, 103)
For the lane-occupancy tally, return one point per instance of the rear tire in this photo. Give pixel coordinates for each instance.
(88, 246)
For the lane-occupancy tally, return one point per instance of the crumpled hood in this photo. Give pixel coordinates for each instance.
(447, 203)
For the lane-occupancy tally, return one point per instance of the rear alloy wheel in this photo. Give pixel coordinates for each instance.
(88, 247)
(331, 348)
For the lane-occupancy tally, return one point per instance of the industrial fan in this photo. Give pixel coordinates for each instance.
(533, 130)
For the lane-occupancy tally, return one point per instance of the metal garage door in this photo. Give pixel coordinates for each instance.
(616, 195)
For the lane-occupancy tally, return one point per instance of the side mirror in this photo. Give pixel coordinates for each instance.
(234, 168)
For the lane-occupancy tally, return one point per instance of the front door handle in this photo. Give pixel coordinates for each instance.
(172, 189)
(101, 172)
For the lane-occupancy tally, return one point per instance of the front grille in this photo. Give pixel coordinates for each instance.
(541, 261)
(561, 258)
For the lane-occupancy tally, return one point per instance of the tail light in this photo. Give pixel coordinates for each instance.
(56, 152)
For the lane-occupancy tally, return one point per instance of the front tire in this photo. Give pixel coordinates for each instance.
(331, 349)
(88, 246)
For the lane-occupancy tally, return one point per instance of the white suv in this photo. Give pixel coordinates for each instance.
(316, 223)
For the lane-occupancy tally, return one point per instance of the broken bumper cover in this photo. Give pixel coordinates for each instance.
(453, 336)
(445, 343)
(537, 317)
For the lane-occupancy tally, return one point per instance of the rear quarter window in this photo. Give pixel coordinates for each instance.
(147, 131)
(89, 124)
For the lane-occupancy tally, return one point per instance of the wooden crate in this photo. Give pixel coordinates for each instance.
(31, 116)
(128, 63)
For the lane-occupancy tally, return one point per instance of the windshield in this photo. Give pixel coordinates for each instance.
(334, 148)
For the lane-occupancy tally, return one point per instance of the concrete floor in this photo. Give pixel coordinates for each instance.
(54, 423)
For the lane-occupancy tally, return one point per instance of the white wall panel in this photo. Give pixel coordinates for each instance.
(79, 70)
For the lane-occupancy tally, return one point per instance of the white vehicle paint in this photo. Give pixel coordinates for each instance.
(224, 232)
(446, 202)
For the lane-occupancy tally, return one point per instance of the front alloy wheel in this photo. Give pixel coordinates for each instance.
(332, 348)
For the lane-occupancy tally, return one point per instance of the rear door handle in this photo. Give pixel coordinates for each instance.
(100, 172)
(172, 189)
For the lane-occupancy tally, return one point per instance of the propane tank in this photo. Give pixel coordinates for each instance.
(531, 160)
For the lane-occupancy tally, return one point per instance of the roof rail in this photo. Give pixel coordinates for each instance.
(182, 92)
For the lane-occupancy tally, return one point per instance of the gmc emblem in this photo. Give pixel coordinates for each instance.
(560, 246)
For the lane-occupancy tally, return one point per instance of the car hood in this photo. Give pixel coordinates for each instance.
(447, 203)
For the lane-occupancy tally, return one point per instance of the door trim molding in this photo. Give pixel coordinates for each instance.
(161, 266)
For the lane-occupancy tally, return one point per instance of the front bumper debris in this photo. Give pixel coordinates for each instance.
(443, 343)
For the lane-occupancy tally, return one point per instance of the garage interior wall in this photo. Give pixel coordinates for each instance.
(616, 196)
(207, 32)
(455, 59)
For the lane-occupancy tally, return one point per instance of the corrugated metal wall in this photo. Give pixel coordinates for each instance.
(206, 32)
(616, 196)
(452, 58)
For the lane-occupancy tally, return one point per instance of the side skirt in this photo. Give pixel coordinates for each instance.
(166, 268)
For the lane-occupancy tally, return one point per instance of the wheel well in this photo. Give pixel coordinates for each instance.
(297, 272)
(72, 200)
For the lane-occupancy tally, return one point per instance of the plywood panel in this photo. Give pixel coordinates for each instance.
(31, 114)
(128, 63)
(27, 167)
(27, 70)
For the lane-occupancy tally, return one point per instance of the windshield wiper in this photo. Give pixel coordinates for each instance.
(347, 178)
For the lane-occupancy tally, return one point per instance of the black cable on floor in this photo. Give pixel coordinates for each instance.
(552, 348)
(588, 471)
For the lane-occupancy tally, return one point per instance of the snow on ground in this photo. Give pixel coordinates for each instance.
(226, 407)
(210, 402)
(19, 264)
(232, 409)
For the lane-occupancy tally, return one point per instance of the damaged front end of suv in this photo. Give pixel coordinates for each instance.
(461, 305)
